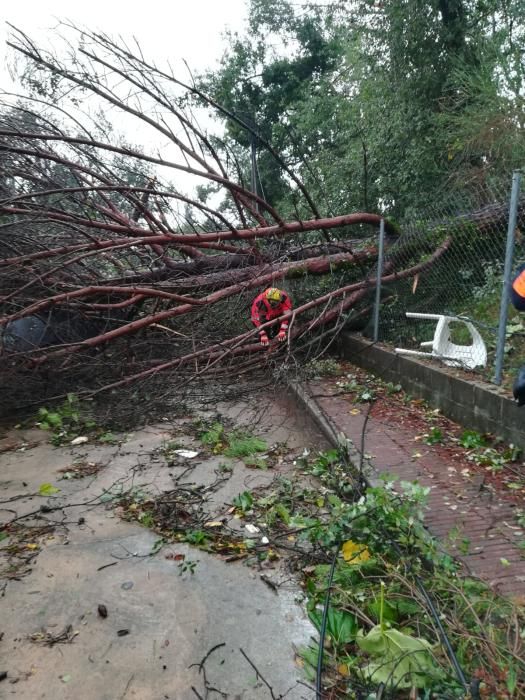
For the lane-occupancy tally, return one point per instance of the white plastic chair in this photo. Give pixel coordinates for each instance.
(468, 356)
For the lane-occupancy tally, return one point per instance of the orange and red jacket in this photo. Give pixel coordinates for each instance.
(517, 290)
(262, 311)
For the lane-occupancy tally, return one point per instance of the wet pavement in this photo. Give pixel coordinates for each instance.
(169, 633)
(474, 519)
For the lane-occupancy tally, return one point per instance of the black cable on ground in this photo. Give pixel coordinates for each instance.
(322, 631)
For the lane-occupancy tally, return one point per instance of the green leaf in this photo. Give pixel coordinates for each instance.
(54, 420)
(3, 536)
(107, 497)
(244, 501)
(512, 679)
(47, 489)
(108, 438)
(283, 512)
(309, 655)
(390, 612)
(397, 659)
(341, 626)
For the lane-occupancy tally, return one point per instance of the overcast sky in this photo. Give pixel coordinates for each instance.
(192, 30)
(189, 29)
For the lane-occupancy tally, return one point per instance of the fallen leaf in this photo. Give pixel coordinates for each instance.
(47, 489)
(355, 553)
(32, 545)
(213, 523)
(66, 678)
(298, 661)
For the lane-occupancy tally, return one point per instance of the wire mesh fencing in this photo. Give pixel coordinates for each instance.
(452, 310)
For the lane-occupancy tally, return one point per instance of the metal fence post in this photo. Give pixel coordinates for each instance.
(507, 274)
(379, 275)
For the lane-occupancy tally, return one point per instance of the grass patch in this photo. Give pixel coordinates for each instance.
(242, 444)
(237, 444)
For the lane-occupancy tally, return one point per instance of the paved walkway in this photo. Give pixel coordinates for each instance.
(481, 527)
(167, 628)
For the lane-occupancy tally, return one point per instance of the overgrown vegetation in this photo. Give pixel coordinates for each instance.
(380, 628)
(70, 421)
(66, 421)
(382, 632)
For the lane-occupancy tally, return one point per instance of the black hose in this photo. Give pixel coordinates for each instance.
(322, 631)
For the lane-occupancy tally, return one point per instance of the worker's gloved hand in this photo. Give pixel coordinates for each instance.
(282, 336)
(264, 339)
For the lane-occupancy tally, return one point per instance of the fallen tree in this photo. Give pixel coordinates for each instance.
(133, 275)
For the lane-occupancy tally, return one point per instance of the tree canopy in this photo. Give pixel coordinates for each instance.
(383, 104)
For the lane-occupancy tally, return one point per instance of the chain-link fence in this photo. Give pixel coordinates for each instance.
(465, 283)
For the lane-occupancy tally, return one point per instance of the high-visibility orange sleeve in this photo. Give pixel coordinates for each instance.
(519, 284)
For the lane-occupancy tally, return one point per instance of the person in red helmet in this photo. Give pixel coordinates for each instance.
(270, 304)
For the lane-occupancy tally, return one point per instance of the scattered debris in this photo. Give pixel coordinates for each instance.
(79, 470)
(106, 566)
(102, 610)
(187, 454)
(44, 637)
(122, 633)
(80, 440)
(22, 548)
